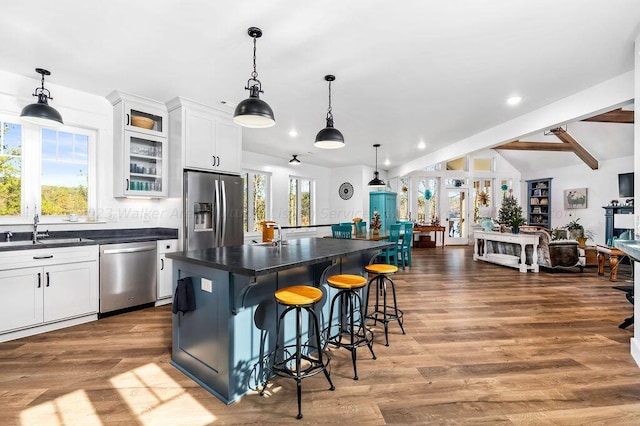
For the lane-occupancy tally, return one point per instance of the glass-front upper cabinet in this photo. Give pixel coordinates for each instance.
(146, 160)
(140, 129)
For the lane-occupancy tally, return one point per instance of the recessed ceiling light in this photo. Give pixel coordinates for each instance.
(293, 133)
(422, 145)
(514, 100)
(387, 162)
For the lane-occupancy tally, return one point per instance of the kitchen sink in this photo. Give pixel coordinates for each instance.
(63, 240)
(269, 244)
(16, 243)
(44, 241)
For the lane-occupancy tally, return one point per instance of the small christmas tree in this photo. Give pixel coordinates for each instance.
(375, 220)
(510, 214)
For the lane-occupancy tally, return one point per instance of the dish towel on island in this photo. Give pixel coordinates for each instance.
(185, 299)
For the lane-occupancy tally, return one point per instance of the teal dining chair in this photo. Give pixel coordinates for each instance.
(341, 231)
(405, 245)
(390, 254)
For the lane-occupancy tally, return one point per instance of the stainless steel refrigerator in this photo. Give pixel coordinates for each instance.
(213, 207)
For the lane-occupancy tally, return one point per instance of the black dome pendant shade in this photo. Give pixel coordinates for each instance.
(329, 137)
(41, 112)
(253, 111)
(376, 182)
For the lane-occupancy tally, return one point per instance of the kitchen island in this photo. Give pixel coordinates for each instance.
(224, 342)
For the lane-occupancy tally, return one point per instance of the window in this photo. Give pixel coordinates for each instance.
(300, 201)
(427, 200)
(481, 199)
(403, 199)
(10, 169)
(64, 173)
(256, 199)
(44, 170)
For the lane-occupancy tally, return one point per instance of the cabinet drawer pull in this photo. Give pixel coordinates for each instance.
(162, 264)
(47, 278)
(39, 280)
(49, 256)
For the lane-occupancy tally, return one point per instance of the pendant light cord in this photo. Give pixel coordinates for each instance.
(257, 87)
(254, 74)
(329, 114)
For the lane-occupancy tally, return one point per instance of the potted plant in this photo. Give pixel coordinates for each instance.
(510, 214)
(576, 230)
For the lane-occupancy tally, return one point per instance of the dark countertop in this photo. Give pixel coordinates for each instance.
(256, 260)
(91, 237)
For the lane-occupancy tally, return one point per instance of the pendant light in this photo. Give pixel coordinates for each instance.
(253, 111)
(329, 137)
(376, 182)
(41, 113)
(294, 161)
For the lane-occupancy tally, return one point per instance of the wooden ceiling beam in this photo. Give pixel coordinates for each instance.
(582, 153)
(615, 116)
(536, 146)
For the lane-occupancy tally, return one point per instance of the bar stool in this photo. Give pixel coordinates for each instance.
(383, 312)
(291, 364)
(352, 332)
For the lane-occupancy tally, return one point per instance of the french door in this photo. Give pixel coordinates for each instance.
(457, 219)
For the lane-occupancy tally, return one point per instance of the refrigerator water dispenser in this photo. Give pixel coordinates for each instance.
(202, 217)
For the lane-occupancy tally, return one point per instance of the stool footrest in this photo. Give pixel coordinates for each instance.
(310, 366)
(362, 336)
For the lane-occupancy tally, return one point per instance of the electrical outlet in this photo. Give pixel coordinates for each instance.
(206, 285)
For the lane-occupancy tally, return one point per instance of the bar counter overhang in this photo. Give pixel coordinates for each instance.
(223, 344)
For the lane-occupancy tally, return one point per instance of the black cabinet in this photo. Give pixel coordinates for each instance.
(539, 202)
(609, 230)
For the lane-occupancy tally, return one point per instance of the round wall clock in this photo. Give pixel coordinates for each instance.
(346, 191)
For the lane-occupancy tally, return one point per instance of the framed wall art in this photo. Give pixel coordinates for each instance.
(575, 198)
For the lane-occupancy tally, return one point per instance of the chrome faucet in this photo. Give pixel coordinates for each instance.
(276, 241)
(35, 234)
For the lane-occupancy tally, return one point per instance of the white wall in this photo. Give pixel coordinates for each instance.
(602, 187)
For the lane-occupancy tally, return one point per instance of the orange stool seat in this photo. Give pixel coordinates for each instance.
(298, 295)
(381, 268)
(346, 281)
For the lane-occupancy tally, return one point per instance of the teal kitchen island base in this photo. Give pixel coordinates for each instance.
(224, 343)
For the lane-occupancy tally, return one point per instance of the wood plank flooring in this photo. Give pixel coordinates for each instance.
(485, 344)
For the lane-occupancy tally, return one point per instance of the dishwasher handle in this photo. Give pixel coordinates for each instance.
(129, 250)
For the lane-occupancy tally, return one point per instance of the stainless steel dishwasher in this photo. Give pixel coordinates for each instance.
(127, 275)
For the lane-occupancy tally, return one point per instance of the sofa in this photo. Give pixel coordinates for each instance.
(558, 254)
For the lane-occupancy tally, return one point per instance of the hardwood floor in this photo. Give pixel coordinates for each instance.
(485, 344)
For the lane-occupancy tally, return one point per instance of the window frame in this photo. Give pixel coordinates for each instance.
(312, 194)
(250, 213)
(31, 169)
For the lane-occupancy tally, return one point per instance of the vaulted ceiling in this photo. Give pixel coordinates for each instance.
(409, 72)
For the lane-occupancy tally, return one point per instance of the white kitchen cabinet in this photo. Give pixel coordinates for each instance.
(69, 290)
(139, 154)
(22, 301)
(165, 268)
(43, 286)
(206, 138)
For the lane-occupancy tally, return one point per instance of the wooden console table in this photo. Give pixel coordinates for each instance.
(480, 249)
(614, 255)
(429, 228)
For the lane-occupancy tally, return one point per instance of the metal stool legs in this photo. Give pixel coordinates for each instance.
(351, 334)
(282, 365)
(382, 312)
